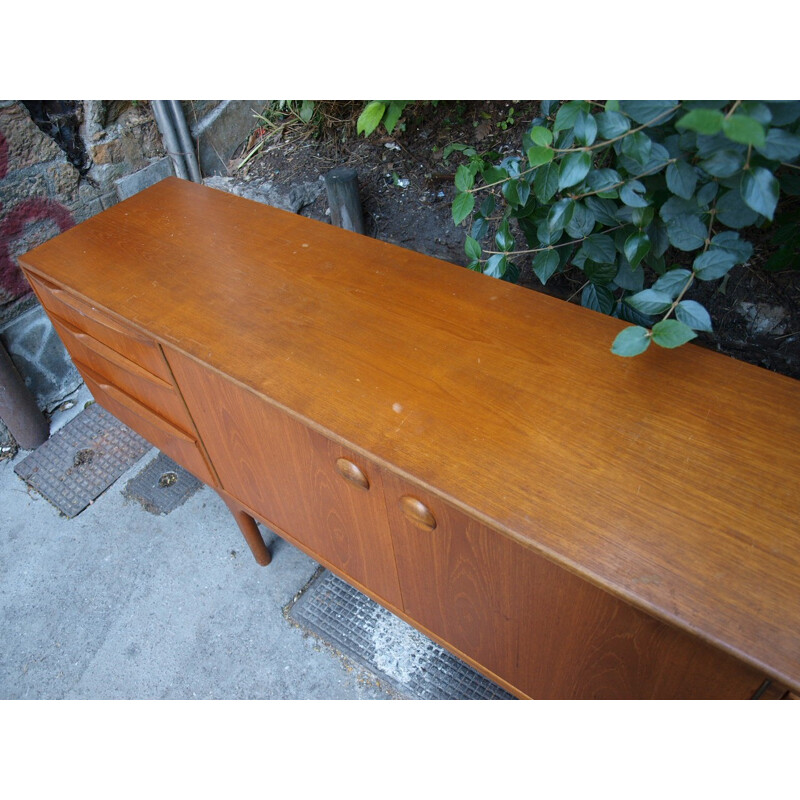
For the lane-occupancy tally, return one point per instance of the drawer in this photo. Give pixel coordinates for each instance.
(178, 445)
(115, 335)
(145, 387)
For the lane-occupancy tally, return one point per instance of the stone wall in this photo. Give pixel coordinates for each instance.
(61, 162)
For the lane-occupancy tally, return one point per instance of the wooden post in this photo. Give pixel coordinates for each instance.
(18, 409)
(341, 185)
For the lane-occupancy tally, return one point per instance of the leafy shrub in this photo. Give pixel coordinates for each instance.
(377, 111)
(633, 193)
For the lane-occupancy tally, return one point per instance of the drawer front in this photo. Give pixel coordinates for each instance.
(178, 445)
(145, 387)
(113, 334)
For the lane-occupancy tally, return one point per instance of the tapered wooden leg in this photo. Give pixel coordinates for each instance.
(249, 528)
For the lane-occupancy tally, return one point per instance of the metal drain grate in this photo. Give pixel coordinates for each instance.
(162, 486)
(79, 462)
(386, 645)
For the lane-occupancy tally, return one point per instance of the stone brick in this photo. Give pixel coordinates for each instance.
(27, 145)
(222, 131)
(134, 183)
(63, 178)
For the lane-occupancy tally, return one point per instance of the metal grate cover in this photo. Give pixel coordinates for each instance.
(386, 645)
(79, 462)
(162, 486)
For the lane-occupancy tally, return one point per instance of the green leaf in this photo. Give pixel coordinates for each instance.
(504, 239)
(545, 182)
(745, 130)
(676, 206)
(395, 111)
(598, 298)
(494, 174)
(599, 247)
(568, 114)
(784, 112)
(713, 264)
(496, 266)
(463, 204)
(702, 120)
(632, 194)
(637, 146)
(730, 241)
(631, 341)
(370, 117)
(600, 274)
(628, 278)
(686, 232)
(673, 282)
(604, 210)
(706, 193)
(732, 211)
(681, 179)
(650, 301)
(585, 129)
(611, 124)
(645, 111)
(472, 247)
(540, 155)
(545, 265)
(574, 168)
(723, 163)
(464, 179)
(636, 247)
(760, 190)
(691, 313)
(510, 192)
(599, 180)
(780, 146)
(307, 110)
(672, 333)
(560, 214)
(541, 136)
(582, 222)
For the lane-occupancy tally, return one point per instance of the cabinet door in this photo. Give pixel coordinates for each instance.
(546, 632)
(317, 492)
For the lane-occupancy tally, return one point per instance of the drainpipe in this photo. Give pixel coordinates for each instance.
(164, 122)
(186, 140)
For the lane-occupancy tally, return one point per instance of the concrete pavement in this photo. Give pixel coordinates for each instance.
(120, 603)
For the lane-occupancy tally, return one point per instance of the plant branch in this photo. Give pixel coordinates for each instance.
(549, 247)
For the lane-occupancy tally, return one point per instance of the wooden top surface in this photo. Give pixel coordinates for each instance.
(670, 479)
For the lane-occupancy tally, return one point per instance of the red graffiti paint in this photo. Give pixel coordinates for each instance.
(12, 227)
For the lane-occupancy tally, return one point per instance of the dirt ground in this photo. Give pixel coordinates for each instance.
(406, 188)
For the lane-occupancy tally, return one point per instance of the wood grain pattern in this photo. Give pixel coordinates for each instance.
(118, 337)
(144, 387)
(670, 480)
(548, 633)
(288, 474)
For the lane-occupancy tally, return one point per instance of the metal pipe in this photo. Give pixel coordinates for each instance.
(18, 409)
(164, 122)
(186, 140)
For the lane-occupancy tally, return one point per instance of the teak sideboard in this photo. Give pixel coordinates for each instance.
(465, 451)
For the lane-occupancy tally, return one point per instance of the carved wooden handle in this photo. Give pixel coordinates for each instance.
(417, 513)
(350, 472)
